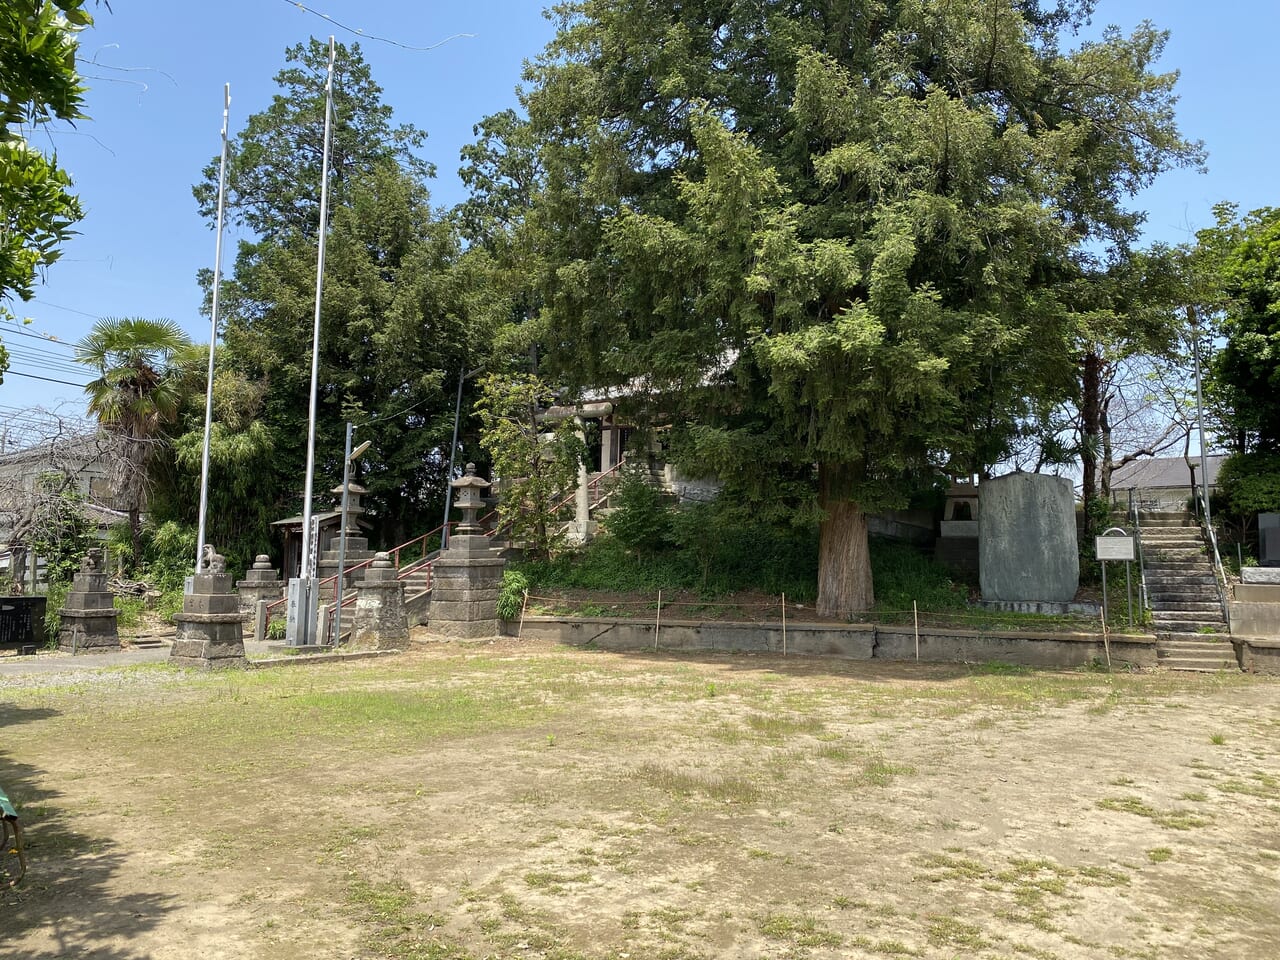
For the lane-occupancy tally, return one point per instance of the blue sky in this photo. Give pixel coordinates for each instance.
(156, 105)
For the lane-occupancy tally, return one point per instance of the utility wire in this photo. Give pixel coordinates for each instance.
(83, 313)
(32, 376)
(369, 36)
(44, 337)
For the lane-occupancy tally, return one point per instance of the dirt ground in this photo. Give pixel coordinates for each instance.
(526, 800)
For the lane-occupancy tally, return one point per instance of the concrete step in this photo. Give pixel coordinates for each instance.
(1178, 564)
(1166, 637)
(1199, 666)
(1187, 626)
(1189, 647)
(1179, 580)
(1208, 605)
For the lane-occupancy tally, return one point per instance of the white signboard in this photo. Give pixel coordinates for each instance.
(1114, 548)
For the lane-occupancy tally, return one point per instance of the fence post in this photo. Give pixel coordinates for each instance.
(523, 605)
(915, 615)
(657, 626)
(784, 624)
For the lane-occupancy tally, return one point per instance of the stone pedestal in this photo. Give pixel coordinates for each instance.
(381, 621)
(261, 582)
(88, 616)
(467, 577)
(210, 628)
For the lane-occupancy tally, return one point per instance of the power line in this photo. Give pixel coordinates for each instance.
(369, 36)
(56, 306)
(43, 337)
(32, 376)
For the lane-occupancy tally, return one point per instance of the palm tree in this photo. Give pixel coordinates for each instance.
(135, 396)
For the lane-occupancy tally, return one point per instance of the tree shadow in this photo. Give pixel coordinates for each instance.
(68, 899)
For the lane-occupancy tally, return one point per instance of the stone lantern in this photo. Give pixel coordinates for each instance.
(467, 575)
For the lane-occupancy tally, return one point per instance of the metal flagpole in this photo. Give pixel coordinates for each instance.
(307, 572)
(301, 624)
(213, 332)
(1204, 460)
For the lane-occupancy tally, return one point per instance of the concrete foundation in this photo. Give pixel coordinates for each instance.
(1256, 655)
(1255, 619)
(846, 641)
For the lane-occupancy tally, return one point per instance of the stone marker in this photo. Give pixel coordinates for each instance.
(1027, 539)
(210, 627)
(381, 621)
(467, 576)
(89, 615)
(261, 582)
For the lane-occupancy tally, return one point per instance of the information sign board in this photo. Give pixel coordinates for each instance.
(1114, 548)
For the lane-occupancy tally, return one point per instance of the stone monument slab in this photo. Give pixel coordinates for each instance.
(1027, 539)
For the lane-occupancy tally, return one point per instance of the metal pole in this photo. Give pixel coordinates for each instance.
(213, 331)
(1128, 586)
(342, 538)
(1204, 463)
(315, 330)
(453, 448)
(1104, 594)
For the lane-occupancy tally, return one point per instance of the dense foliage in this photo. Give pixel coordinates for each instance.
(39, 83)
(838, 239)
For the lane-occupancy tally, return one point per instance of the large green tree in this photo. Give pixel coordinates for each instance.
(39, 83)
(1242, 256)
(836, 236)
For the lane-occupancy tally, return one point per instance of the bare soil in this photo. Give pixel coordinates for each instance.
(518, 799)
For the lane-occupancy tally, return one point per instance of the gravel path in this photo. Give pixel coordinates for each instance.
(60, 669)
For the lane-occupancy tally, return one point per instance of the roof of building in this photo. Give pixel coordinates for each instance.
(1163, 473)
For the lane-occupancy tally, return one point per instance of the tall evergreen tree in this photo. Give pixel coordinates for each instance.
(837, 235)
(395, 298)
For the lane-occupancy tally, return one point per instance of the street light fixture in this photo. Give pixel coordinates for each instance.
(348, 457)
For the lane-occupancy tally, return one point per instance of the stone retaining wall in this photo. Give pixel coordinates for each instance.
(1256, 655)
(847, 641)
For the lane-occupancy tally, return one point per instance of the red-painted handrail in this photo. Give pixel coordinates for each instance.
(331, 583)
(594, 498)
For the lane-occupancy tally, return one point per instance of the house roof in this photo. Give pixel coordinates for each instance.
(1163, 473)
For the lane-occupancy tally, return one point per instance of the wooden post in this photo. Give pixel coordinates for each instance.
(657, 625)
(523, 605)
(915, 615)
(784, 624)
(1106, 641)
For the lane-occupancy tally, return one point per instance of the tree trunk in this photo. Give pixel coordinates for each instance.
(844, 561)
(1090, 428)
(135, 540)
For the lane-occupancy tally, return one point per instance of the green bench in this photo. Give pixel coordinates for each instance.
(9, 817)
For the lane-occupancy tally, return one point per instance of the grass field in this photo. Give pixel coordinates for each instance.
(520, 800)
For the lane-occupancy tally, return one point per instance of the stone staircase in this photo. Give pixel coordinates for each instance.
(1191, 633)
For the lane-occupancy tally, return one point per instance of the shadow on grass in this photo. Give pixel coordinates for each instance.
(66, 904)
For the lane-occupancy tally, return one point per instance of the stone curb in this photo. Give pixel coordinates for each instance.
(297, 659)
